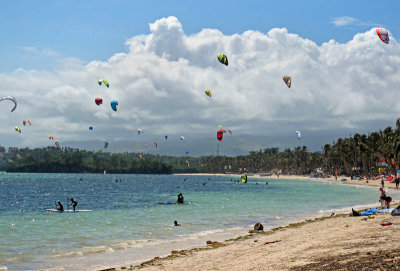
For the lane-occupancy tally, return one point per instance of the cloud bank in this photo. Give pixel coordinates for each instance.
(160, 81)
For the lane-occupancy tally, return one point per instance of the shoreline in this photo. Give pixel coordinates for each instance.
(205, 257)
(375, 183)
(200, 258)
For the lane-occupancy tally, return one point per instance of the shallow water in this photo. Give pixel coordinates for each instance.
(127, 224)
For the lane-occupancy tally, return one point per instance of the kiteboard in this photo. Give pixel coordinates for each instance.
(168, 202)
(67, 211)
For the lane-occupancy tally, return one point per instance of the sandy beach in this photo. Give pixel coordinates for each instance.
(338, 242)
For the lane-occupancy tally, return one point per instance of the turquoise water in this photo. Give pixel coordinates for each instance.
(127, 225)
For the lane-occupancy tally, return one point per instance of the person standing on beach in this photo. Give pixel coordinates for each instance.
(383, 183)
(385, 199)
(397, 182)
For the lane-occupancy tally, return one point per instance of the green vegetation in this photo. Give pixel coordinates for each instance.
(360, 154)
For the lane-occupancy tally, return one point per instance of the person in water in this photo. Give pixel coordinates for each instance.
(176, 223)
(74, 203)
(180, 199)
(60, 207)
(385, 199)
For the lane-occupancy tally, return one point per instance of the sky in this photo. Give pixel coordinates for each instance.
(160, 56)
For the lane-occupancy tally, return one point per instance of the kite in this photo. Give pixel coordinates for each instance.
(182, 138)
(114, 105)
(208, 92)
(98, 101)
(155, 144)
(223, 59)
(11, 98)
(91, 128)
(50, 137)
(288, 80)
(166, 137)
(24, 122)
(105, 144)
(139, 131)
(56, 143)
(18, 129)
(103, 81)
(383, 34)
(220, 134)
(298, 135)
(187, 163)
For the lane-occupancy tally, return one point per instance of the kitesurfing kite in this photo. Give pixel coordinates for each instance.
(155, 144)
(166, 137)
(220, 134)
(223, 59)
(298, 135)
(182, 138)
(140, 156)
(56, 143)
(114, 105)
(139, 131)
(24, 122)
(221, 127)
(91, 128)
(383, 34)
(187, 163)
(229, 131)
(98, 101)
(103, 81)
(11, 98)
(186, 152)
(105, 144)
(288, 80)
(208, 92)
(51, 138)
(18, 129)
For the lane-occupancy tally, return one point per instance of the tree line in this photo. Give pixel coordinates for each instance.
(369, 154)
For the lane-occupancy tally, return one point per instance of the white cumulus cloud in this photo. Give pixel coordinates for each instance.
(160, 81)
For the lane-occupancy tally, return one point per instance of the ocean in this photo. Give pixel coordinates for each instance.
(128, 225)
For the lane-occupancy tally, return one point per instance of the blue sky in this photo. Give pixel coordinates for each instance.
(37, 34)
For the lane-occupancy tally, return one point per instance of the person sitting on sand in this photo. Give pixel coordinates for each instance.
(60, 207)
(384, 199)
(180, 199)
(176, 223)
(74, 203)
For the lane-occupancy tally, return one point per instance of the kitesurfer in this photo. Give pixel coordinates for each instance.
(180, 199)
(176, 223)
(60, 207)
(74, 203)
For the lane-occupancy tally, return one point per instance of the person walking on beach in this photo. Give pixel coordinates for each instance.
(385, 200)
(383, 183)
(397, 182)
(74, 203)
